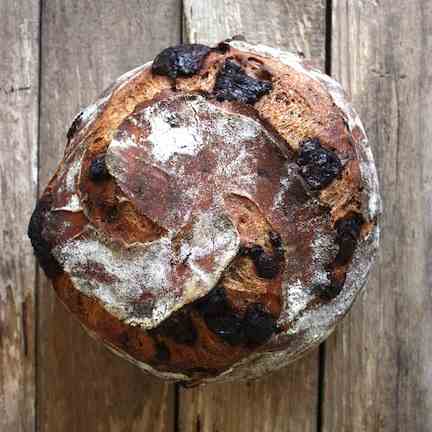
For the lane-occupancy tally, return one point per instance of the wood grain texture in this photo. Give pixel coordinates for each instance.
(19, 95)
(295, 25)
(378, 363)
(85, 46)
(286, 400)
(378, 374)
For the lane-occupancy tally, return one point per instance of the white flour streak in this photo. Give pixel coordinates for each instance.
(278, 200)
(296, 299)
(168, 141)
(74, 205)
(71, 175)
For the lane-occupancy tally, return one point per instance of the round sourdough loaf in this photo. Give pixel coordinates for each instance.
(215, 212)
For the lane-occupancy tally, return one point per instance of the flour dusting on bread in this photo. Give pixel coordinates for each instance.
(215, 214)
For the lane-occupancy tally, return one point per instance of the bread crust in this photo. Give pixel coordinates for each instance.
(213, 222)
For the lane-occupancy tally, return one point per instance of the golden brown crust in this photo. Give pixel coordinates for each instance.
(114, 197)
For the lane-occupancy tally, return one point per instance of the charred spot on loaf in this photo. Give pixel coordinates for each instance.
(347, 235)
(179, 327)
(318, 166)
(41, 247)
(267, 266)
(98, 169)
(181, 60)
(74, 126)
(259, 325)
(233, 84)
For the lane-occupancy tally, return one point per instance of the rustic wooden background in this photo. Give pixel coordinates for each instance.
(374, 373)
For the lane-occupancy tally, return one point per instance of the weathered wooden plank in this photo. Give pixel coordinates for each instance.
(378, 364)
(286, 400)
(85, 46)
(299, 26)
(19, 95)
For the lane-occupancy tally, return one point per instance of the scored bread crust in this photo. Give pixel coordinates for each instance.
(190, 184)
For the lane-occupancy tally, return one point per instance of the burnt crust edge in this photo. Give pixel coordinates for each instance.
(41, 247)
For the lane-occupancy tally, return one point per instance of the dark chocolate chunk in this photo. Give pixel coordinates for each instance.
(243, 250)
(74, 126)
(259, 325)
(347, 234)
(254, 328)
(318, 166)
(220, 317)
(98, 169)
(267, 266)
(41, 247)
(162, 352)
(214, 303)
(347, 245)
(228, 327)
(181, 60)
(179, 327)
(349, 226)
(233, 84)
